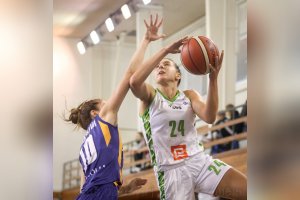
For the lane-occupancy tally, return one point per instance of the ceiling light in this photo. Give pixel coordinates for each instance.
(95, 37)
(146, 1)
(125, 11)
(109, 24)
(81, 47)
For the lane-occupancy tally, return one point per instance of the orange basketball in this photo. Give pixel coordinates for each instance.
(197, 53)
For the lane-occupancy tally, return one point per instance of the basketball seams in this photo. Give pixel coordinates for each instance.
(182, 59)
(202, 54)
(204, 51)
(197, 54)
(194, 64)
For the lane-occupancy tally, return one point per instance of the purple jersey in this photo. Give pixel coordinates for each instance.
(101, 155)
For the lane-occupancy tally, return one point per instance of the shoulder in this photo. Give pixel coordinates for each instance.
(191, 94)
(152, 93)
(108, 115)
(145, 104)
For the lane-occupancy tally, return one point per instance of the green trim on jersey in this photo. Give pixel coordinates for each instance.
(149, 105)
(161, 185)
(171, 100)
(160, 175)
(146, 122)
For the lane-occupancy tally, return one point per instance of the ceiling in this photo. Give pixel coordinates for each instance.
(77, 18)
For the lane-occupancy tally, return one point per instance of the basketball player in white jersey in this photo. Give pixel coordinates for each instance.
(168, 114)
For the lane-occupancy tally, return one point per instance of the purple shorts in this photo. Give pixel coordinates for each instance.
(104, 192)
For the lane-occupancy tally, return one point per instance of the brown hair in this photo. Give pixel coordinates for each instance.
(81, 115)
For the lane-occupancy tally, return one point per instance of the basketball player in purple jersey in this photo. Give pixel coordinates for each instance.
(101, 154)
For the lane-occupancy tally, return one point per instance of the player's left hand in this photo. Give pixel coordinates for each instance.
(152, 29)
(136, 184)
(214, 70)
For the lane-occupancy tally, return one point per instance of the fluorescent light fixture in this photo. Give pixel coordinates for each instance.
(81, 47)
(125, 11)
(109, 24)
(95, 37)
(146, 1)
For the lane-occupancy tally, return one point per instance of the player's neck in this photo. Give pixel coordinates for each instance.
(168, 91)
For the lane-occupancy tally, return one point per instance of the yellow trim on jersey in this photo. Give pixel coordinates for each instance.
(120, 149)
(105, 132)
(120, 155)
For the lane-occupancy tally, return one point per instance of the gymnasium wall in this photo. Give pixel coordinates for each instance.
(71, 82)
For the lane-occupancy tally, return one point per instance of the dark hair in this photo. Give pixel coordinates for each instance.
(221, 113)
(177, 69)
(81, 115)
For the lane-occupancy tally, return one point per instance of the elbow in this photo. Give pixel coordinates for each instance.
(210, 119)
(133, 82)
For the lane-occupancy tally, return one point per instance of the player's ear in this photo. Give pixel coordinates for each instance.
(94, 113)
(178, 76)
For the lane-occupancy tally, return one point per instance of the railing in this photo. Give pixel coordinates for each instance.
(205, 129)
(71, 174)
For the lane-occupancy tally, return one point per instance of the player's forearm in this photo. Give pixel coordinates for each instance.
(212, 101)
(145, 70)
(138, 56)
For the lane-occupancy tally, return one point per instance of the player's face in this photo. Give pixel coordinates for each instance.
(165, 71)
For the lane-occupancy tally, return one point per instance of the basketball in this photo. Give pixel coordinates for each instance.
(197, 53)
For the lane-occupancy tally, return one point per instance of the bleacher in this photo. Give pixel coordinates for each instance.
(236, 158)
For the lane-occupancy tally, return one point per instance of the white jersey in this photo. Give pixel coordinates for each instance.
(169, 127)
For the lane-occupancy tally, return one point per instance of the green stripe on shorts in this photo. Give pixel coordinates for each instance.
(161, 185)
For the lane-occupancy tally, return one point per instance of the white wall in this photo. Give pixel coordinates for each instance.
(241, 92)
(71, 81)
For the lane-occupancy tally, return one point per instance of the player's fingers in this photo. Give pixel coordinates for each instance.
(143, 181)
(159, 24)
(177, 51)
(151, 20)
(156, 19)
(216, 61)
(212, 69)
(221, 58)
(146, 24)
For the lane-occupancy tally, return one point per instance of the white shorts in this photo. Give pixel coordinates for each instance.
(199, 173)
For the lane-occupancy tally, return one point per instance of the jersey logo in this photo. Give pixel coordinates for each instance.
(179, 152)
(175, 107)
